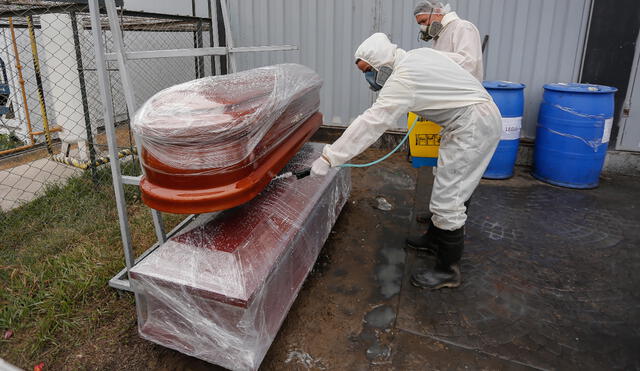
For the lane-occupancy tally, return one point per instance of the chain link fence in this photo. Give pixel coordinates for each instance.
(59, 232)
(52, 126)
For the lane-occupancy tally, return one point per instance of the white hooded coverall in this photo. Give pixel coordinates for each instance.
(461, 37)
(445, 93)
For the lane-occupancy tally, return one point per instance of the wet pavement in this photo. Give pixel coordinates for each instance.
(550, 279)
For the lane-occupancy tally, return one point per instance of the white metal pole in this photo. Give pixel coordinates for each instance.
(214, 30)
(129, 95)
(107, 106)
(227, 32)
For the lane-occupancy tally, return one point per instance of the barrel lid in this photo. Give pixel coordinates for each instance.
(497, 84)
(580, 88)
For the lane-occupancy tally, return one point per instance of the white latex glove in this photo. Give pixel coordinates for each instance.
(320, 167)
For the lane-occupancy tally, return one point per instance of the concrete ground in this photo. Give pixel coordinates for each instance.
(23, 183)
(24, 176)
(550, 282)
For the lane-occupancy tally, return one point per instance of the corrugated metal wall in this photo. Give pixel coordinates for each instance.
(533, 42)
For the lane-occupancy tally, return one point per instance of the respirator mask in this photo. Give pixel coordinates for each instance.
(377, 78)
(431, 31)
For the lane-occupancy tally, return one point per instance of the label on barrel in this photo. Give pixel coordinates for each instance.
(511, 128)
(606, 134)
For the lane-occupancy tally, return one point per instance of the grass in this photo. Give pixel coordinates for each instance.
(8, 141)
(57, 254)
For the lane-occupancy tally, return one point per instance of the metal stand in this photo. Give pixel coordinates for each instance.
(121, 280)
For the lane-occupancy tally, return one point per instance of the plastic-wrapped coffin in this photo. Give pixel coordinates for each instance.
(216, 142)
(220, 290)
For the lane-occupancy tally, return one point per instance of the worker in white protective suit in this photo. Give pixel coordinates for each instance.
(471, 123)
(450, 34)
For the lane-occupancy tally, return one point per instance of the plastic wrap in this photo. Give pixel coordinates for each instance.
(207, 135)
(220, 290)
(213, 123)
(594, 144)
(581, 112)
(594, 141)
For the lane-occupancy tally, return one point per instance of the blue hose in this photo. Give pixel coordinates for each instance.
(388, 154)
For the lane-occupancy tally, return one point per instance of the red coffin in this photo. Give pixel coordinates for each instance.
(221, 289)
(215, 143)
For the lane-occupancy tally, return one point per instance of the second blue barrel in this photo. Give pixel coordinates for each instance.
(509, 97)
(572, 136)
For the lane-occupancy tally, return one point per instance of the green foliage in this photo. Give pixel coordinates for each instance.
(8, 141)
(57, 255)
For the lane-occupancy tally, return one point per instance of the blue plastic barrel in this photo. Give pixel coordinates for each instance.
(509, 97)
(574, 125)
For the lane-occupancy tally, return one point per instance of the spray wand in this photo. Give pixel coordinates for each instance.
(307, 171)
(298, 174)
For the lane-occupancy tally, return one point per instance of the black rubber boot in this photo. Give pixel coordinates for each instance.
(423, 218)
(449, 246)
(423, 242)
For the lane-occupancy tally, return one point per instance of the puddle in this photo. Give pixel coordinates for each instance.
(389, 274)
(381, 317)
(378, 352)
(390, 279)
(383, 204)
(394, 178)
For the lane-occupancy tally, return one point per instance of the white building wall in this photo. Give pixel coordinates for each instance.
(533, 42)
(530, 41)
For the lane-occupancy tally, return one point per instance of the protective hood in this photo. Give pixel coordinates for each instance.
(378, 51)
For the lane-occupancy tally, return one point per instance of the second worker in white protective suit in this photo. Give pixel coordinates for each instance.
(450, 34)
(471, 123)
(461, 39)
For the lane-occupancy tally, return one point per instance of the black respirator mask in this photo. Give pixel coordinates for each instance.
(431, 31)
(377, 78)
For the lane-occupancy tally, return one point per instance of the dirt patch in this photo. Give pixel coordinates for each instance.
(36, 153)
(26, 157)
(115, 344)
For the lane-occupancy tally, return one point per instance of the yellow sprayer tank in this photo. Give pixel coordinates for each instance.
(424, 141)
